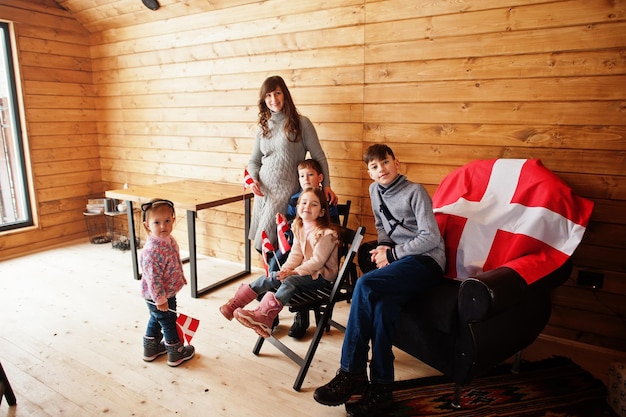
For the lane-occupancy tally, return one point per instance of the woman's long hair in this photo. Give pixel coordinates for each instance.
(292, 125)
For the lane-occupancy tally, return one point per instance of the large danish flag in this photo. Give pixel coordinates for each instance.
(508, 212)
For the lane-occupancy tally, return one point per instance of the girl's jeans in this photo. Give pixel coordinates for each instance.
(163, 321)
(376, 303)
(287, 288)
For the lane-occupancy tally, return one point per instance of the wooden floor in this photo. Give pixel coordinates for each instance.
(72, 322)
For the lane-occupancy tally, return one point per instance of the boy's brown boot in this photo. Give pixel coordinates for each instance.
(300, 324)
(374, 401)
(339, 390)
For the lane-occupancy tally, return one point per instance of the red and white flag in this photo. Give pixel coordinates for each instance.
(186, 327)
(266, 246)
(282, 227)
(508, 212)
(247, 179)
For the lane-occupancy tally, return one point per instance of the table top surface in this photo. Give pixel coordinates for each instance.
(191, 195)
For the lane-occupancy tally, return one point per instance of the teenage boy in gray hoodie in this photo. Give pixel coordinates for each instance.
(408, 258)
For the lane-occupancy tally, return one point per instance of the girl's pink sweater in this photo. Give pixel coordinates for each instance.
(162, 270)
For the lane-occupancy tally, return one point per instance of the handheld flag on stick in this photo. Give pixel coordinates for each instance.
(266, 247)
(282, 227)
(247, 179)
(186, 327)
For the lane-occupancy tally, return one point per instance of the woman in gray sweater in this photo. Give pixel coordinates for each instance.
(283, 140)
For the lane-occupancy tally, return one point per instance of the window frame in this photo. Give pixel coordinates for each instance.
(16, 122)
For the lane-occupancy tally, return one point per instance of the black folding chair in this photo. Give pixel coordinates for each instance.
(323, 301)
(5, 388)
(344, 211)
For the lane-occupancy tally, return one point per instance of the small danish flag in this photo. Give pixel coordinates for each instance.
(282, 227)
(247, 179)
(266, 246)
(186, 327)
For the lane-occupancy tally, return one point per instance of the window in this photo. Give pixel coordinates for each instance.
(15, 209)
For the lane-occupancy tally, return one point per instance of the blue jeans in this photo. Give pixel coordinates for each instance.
(377, 300)
(277, 260)
(163, 321)
(285, 289)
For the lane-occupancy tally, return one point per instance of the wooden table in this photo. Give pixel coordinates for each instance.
(192, 196)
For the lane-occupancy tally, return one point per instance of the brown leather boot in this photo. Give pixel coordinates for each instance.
(339, 389)
(375, 400)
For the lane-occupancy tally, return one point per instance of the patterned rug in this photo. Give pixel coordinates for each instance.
(554, 387)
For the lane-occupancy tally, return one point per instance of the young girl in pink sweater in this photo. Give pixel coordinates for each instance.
(312, 264)
(162, 277)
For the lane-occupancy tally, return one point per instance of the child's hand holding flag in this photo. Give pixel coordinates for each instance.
(266, 246)
(186, 326)
(247, 179)
(282, 227)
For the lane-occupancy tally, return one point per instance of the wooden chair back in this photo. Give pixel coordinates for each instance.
(344, 211)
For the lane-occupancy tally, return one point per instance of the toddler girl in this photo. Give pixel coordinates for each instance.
(162, 278)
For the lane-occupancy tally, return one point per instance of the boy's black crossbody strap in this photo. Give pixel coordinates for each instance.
(393, 222)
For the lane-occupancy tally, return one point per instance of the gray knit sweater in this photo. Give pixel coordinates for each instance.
(414, 230)
(274, 164)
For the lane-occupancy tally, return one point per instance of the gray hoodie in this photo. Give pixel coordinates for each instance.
(407, 224)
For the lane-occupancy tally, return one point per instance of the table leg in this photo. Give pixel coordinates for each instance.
(191, 227)
(193, 270)
(133, 239)
(245, 236)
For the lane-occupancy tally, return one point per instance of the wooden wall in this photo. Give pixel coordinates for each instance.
(181, 103)
(56, 77)
(449, 82)
(443, 83)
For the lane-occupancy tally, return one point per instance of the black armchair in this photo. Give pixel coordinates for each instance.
(464, 328)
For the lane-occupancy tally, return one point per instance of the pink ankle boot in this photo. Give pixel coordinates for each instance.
(261, 319)
(242, 297)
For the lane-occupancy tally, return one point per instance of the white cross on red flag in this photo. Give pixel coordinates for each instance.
(508, 212)
(186, 327)
(282, 227)
(266, 246)
(247, 179)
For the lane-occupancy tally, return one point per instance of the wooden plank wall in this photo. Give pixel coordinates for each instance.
(57, 86)
(182, 103)
(443, 83)
(450, 82)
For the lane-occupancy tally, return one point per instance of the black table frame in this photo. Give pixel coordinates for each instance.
(193, 256)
